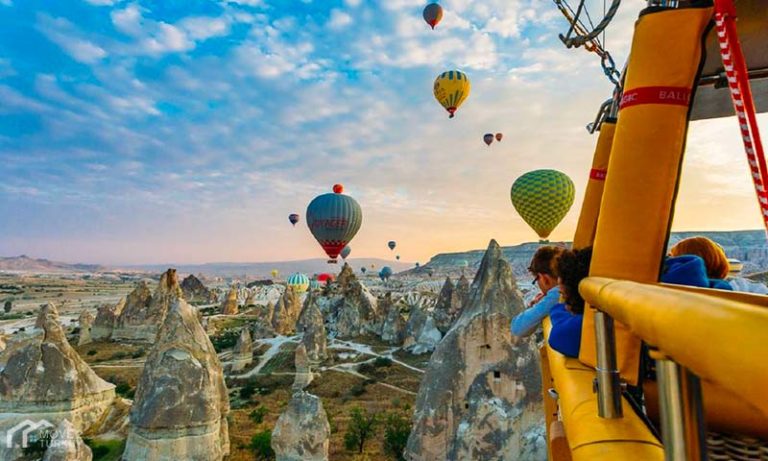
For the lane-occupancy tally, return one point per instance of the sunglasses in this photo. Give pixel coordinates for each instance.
(535, 279)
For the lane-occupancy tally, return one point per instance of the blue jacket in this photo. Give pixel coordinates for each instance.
(565, 336)
(526, 322)
(690, 270)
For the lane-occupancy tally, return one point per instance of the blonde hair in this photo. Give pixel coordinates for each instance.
(713, 255)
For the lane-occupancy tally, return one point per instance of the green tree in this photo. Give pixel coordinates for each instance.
(361, 427)
(397, 428)
(257, 415)
(261, 444)
(7, 306)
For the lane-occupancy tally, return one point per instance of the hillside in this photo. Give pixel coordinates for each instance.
(747, 246)
(24, 263)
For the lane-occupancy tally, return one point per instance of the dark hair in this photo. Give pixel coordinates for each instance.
(543, 261)
(572, 268)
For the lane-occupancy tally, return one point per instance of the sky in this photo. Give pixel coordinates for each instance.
(186, 130)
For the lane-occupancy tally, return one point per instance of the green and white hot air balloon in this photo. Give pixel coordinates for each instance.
(299, 282)
(334, 219)
(543, 198)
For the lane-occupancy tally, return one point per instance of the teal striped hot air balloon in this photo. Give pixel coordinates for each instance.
(299, 282)
(385, 273)
(543, 198)
(334, 219)
(345, 251)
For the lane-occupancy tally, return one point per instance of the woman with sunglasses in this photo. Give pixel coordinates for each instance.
(544, 276)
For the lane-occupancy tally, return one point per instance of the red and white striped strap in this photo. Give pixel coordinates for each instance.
(741, 95)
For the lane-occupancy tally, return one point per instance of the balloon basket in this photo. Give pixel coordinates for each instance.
(332, 261)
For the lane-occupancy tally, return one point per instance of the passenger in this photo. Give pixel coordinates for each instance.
(572, 268)
(715, 262)
(542, 268)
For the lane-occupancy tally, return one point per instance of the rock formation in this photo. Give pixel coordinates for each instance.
(302, 432)
(303, 369)
(312, 325)
(393, 327)
(250, 300)
(194, 291)
(480, 374)
(229, 306)
(181, 402)
(66, 445)
(86, 324)
(106, 317)
(421, 333)
(44, 376)
(286, 312)
(242, 355)
(144, 312)
(353, 310)
(450, 302)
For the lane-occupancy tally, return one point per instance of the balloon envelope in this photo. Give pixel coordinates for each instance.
(298, 281)
(325, 278)
(543, 198)
(293, 218)
(488, 138)
(345, 251)
(334, 219)
(391, 244)
(433, 13)
(397, 257)
(385, 272)
(451, 89)
(275, 273)
(499, 136)
(363, 269)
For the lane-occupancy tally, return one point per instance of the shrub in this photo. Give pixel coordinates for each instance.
(7, 306)
(396, 431)
(247, 391)
(119, 355)
(357, 390)
(138, 353)
(366, 367)
(382, 362)
(225, 340)
(257, 415)
(261, 444)
(92, 352)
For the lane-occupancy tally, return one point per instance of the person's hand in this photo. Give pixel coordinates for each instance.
(536, 299)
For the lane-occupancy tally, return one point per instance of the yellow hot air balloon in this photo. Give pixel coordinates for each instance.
(451, 89)
(275, 273)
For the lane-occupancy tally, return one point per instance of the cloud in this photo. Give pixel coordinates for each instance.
(6, 2)
(203, 28)
(102, 2)
(67, 36)
(339, 20)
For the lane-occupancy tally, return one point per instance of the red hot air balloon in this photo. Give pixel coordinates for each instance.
(293, 218)
(325, 278)
(432, 13)
(334, 219)
(499, 136)
(488, 138)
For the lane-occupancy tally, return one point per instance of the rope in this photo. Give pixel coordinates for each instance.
(581, 39)
(741, 95)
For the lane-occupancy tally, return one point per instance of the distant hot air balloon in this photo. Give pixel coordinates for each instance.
(275, 273)
(298, 281)
(363, 269)
(385, 273)
(397, 257)
(417, 264)
(433, 13)
(334, 219)
(325, 278)
(499, 136)
(373, 266)
(293, 218)
(345, 251)
(488, 138)
(391, 244)
(314, 284)
(543, 198)
(451, 89)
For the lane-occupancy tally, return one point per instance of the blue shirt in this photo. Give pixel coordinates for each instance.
(565, 336)
(526, 322)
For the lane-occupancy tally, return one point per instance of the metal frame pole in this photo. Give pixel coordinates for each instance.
(608, 379)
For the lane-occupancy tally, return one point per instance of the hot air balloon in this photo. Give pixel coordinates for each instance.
(293, 218)
(334, 219)
(417, 264)
(363, 269)
(543, 198)
(397, 257)
(488, 138)
(385, 273)
(345, 251)
(325, 278)
(298, 281)
(373, 266)
(275, 273)
(391, 244)
(314, 284)
(433, 13)
(499, 136)
(451, 89)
